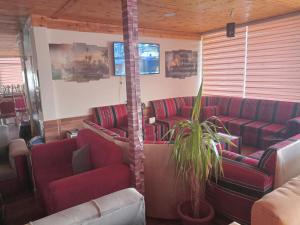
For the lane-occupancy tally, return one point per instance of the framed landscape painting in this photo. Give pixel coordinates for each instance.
(181, 63)
(79, 62)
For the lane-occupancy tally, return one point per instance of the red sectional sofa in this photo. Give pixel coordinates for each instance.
(59, 188)
(252, 119)
(113, 120)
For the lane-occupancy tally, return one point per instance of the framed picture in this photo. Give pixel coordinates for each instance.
(181, 63)
(78, 62)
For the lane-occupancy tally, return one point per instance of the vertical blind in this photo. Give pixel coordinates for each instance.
(10, 71)
(263, 61)
(223, 63)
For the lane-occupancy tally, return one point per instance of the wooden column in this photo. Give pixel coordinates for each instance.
(135, 133)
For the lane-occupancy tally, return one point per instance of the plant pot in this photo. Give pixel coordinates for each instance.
(207, 213)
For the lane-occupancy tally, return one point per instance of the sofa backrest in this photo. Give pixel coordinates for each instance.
(284, 111)
(282, 160)
(165, 108)
(110, 116)
(102, 151)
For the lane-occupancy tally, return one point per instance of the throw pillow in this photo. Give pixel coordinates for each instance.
(81, 161)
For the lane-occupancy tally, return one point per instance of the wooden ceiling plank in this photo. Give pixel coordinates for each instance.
(68, 4)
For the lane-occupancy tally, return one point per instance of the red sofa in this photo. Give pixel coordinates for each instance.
(113, 120)
(247, 179)
(252, 119)
(60, 189)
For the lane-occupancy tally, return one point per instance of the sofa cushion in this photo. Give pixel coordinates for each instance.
(266, 110)
(249, 109)
(209, 111)
(223, 120)
(272, 129)
(186, 112)
(120, 115)
(284, 112)
(224, 102)
(239, 158)
(252, 132)
(235, 107)
(104, 116)
(235, 127)
(81, 161)
(159, 110)
(190, 100)
(180, 103)
(171, 107)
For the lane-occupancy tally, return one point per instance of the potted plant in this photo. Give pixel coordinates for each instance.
(197, 159)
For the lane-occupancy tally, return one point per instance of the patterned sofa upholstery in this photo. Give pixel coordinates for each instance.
(247, 179)
(113, 120)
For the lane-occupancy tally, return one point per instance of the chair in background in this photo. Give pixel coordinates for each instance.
(14, 174)
(7, 109)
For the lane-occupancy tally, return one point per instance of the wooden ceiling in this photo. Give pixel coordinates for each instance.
(186, 16)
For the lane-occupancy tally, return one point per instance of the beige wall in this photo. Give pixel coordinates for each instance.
(61, 99)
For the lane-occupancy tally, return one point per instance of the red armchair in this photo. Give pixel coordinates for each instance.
(60, 189)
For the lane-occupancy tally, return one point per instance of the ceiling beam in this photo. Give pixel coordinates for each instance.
(62, 24)
(67, 5)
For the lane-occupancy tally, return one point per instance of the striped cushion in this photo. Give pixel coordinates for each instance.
(189, 101)
(249, 109)
(235, 127)
(235, 107)
(252, 133)
(171, 107)
(180, 103)
(223, 104)
(284, 111)
(119, 131)
(104, 116)
(120, 115)
(209, 111)
(212, 100)
(159, 109)
(266, 110)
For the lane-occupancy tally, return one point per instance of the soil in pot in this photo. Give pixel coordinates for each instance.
(185, 212)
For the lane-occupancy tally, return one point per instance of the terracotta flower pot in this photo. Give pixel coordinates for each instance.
(207, 213)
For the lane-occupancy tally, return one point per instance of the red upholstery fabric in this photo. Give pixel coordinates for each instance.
(209, 111)
(272, 129)
(120, 115)
(266, 110)
(284, 111)
(53, 161)
(252, 132)
(189, 101)
(212, 100)
(171, 107)
(170, 122)
(20, 103)
(104, 116)
(159, 109)
(239, 158)
(149, 132)
(224, 103)
(180, 103)
(235, 107)
(249, 109)
(74, 190)
(223, 120)
(186, 111)
(235, 127)
(293, 126)
(119, 131)
(7, 109)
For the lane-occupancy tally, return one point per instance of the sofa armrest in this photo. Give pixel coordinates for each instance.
(77, 189)
(244, 178)
(52, 154)
(17, 147)
(293, 126)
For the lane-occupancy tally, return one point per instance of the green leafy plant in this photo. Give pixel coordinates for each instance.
(195, 153)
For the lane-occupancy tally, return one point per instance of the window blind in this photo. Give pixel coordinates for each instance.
(10, 71)
(273, 60)
(223, 63)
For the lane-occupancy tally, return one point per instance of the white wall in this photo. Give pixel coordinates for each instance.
(61, 99)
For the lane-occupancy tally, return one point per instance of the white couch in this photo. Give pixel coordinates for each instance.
(125, 207)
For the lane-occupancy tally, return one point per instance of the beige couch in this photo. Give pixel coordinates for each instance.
(280, 207)
(125, 207)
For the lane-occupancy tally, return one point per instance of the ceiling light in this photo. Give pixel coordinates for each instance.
(171, 14)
